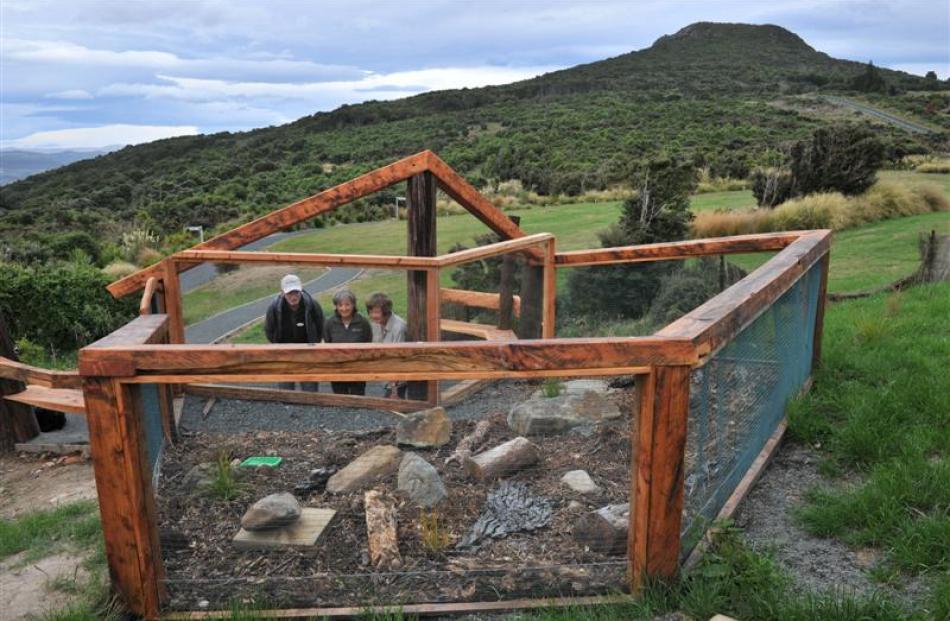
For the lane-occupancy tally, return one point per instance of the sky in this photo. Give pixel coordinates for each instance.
(96, 73)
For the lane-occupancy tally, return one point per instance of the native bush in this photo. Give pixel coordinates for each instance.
(684, 289)
(771, 186)
(842, 158)
(60, 307)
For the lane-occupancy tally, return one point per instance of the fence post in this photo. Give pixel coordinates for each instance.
(657, 465)
(124, 486)
(506, 302)
(820, 314)
(548, 302)
(420, 221)
(433, 325)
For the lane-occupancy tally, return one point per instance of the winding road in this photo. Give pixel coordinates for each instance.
(226, 322)
(880, 114)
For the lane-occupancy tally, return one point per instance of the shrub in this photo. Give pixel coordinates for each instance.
(60, 307)
(941, 167)
(148, 256)
(771, 186)
(690, 286)
(842, 158)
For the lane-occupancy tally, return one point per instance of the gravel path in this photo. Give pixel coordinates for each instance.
(881, 115)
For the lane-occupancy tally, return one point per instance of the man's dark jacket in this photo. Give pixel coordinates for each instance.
(313, 319)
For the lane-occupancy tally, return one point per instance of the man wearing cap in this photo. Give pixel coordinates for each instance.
(294, 317)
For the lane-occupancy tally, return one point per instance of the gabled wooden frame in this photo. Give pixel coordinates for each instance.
(112, 369)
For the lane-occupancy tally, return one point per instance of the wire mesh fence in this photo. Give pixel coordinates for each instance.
(738, 398)
(503, 496)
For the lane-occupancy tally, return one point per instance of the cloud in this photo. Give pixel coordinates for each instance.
(75, 93)
(103, 136)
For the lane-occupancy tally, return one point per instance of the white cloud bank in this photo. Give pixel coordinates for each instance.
(98, 137)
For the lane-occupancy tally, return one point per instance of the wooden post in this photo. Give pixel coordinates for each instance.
(820, 314)
(126, 501)
(420, 218)
(532, 279)
(657, 464)
(549, 300)
(17, 421)
(433, 322)
(506, 301)
(173, 307)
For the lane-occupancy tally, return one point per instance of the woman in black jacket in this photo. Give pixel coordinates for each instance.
(346, 325)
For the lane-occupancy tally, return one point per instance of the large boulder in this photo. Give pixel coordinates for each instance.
(425, 429)
(274, 511)
(581, 402)
(504, 459)
(372, 465)
(420, 481)
(604, 530)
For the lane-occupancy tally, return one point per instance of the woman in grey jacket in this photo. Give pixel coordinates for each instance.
(347, 326)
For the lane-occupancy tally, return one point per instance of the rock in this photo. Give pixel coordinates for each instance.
(274, 511)
(574, 506)
(604, 530)
(509, 508)
(198, 477)
(425, 429)
(375, 463)
(580, 482)
(317, 481)
(420, 481)
(582, 402)
(504, 459)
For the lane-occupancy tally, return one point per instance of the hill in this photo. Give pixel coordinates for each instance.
(708, 91)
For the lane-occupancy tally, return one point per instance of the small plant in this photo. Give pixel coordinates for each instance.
(225, 485)
(552, 387)
(435, 538)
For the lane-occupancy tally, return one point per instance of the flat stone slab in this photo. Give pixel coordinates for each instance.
(301, 534)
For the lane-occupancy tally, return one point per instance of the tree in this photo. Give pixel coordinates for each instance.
(658, 213)
(842, 158)
(870, 81)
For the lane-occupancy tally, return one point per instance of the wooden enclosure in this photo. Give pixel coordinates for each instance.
(151, 350)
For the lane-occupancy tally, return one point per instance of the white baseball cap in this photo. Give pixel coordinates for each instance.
(290, 282)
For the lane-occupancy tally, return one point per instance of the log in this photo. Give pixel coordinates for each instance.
(469, 443)
(504, 459)
(604, 530)
(381, 529)
(421, 228)
(17, 422)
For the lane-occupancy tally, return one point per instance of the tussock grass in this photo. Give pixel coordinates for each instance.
(941, 167)
(827, 210)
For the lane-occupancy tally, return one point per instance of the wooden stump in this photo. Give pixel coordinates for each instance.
(17, 422)
(504, 459)
(381, 528)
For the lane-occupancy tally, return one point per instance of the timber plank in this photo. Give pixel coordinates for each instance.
(493, 250)
(256, 393)
(737, 244)
(478, 299)
(303, 258)
(489, 333)
(56, 399)
(395, 359)
(19, 372)
(288, 216)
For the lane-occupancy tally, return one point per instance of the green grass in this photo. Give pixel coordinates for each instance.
(881, 408)
(43, 532)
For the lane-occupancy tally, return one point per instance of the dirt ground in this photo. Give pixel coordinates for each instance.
(36, 484)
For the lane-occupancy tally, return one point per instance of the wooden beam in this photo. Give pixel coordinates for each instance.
(657, 474)
(56, 399)
(462, 360)
(468, 197)
(421, 226)
(145, 306)
(173, 302)
(478, 299)
(532, 291)
(303, 258)
(303, 397)
(19, 372)
(144, 329)
(461, 391)
(549, 293)
(288, 216)
(424, 610)
(126, 500)
(433, 330)
(714, 323)
(493, 250)
(482, 331)
(760, 242)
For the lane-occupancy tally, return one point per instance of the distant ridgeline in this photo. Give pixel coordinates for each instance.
(709, 91)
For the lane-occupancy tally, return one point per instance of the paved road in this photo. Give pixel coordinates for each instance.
(216, 326)
(880, 114)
